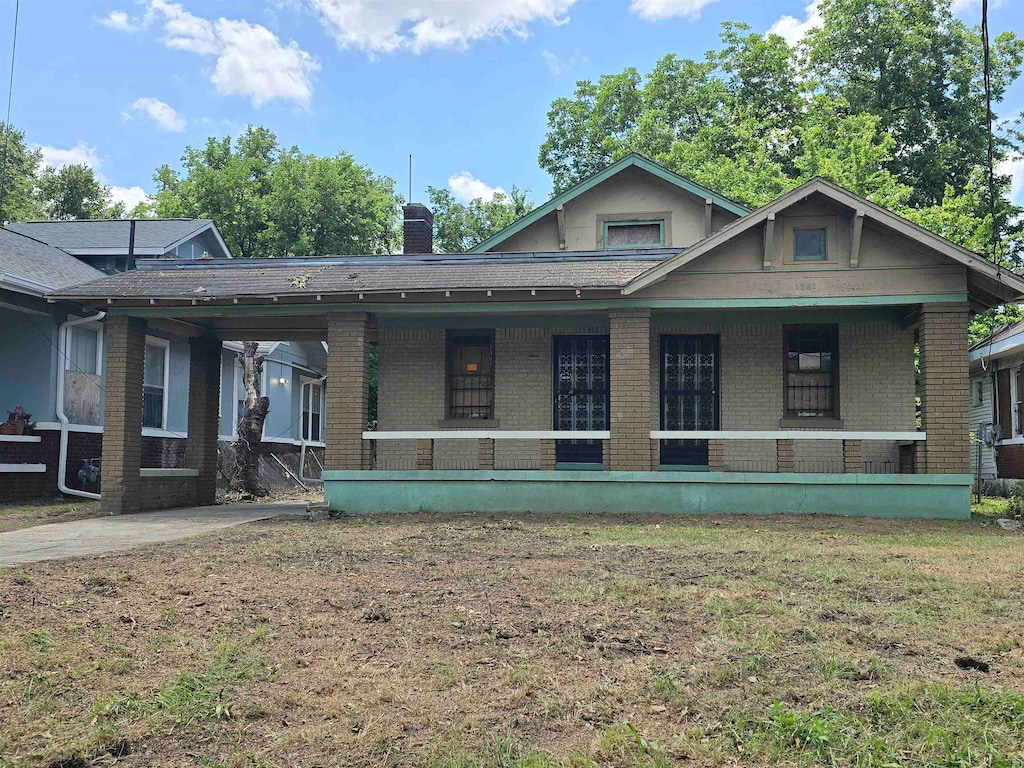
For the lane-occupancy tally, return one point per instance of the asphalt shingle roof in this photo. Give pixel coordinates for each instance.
(29, 259)
(294, 279)
(109, 233)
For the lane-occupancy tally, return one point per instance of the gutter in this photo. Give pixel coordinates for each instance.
(62, 465)
(24, 285)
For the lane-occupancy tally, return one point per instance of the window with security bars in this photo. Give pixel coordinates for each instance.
(812, 371)
(689, 395)
(471, 375)
(581, 395)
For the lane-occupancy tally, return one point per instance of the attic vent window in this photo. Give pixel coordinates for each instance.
(810, 244)
(634, 234)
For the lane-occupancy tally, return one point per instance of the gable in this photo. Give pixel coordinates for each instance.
(870, 251)
(634, 188)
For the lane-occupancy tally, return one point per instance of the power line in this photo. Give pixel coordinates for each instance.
(7, 121)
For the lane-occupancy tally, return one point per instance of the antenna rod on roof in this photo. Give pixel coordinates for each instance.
(410, 178)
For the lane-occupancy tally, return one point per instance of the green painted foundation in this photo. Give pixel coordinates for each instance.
(683, 493)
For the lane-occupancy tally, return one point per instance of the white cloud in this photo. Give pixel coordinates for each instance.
(1014, 168)
(383, 26)
(251, 60)
(130, 196)
(163, 114)
(561, 65)
(792, 29)
(80, 154)
(119, 20)
(466, 187)
(654, 10)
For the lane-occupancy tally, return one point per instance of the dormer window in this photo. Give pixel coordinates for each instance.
(634, 234)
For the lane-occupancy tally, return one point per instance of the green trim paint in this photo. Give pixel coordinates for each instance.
(630, 160)
(895, 496)
(580, 305)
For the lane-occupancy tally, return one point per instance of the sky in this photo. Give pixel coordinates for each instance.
(462, 85)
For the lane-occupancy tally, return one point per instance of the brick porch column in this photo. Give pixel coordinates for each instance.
(348, 382)
(203, 418)
(125, 351)
(630, 389)
(942, 337)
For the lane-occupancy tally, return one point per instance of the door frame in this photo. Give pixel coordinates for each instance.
(598, 454)
(716, 392)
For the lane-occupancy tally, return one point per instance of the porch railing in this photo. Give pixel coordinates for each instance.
(783, 459)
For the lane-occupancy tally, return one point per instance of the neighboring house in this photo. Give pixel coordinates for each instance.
(53, 354)
(636, 344)
(995, 391)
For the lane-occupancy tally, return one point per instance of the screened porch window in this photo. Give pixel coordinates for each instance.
(634, 234)
(471, 375)
(154, 381)
(812, 371)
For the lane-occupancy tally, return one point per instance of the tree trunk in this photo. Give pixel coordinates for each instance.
(246, 477)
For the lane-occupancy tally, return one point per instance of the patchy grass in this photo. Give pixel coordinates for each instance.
(989, 508)
(524, 642)
(41, 512)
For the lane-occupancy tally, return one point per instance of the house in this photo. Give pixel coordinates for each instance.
(638, 343)
(54, 356)
(995, 391)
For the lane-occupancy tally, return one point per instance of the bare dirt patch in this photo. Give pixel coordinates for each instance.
(522, 641)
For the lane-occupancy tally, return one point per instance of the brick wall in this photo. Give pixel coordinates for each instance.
(203, 416)
(942, 337)
(630, 347)
(124, 345)
(348, 371)
(167, 493)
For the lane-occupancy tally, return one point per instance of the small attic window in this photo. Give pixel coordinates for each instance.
(634, 234)
(810, 244)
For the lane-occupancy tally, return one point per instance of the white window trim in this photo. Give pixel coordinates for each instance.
(306, 381)
(1015, 410)
(65, 358)
(156, 341)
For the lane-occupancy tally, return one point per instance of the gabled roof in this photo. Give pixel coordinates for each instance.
(631, 160)
(29, 266)
(109, 237)
(1002, 284)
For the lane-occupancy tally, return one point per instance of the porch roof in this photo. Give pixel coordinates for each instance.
(295, 278)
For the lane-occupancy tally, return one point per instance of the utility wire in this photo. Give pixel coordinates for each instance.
(7, 121)
(987, 66)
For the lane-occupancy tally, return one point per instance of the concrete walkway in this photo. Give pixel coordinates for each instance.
(101, 535)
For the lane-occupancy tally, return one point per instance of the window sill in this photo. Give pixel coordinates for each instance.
(467, 423)
(810, 422)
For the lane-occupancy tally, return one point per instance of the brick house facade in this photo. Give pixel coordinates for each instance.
(638, 343)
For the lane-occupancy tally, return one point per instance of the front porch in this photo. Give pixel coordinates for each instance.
(575, 408)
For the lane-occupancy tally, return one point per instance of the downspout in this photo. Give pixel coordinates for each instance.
(302, 439)
(62, 343)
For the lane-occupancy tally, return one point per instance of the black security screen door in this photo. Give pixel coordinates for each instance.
(689, 395)
(581, 394)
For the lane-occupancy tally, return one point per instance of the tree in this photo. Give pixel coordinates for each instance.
(458, 226)
(75, 192)
(245, 477)
(18, 166)
(272, 203)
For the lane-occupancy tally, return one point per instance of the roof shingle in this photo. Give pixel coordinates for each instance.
(28, 259)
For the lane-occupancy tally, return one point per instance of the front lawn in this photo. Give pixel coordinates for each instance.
(524, 641)
(22, 514)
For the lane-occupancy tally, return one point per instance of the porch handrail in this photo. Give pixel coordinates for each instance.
(784, 434)
(489, 434)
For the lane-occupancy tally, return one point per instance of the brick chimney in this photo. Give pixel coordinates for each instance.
(417, 229)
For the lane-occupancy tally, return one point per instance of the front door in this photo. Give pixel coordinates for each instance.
(689, 395)
(581, 395)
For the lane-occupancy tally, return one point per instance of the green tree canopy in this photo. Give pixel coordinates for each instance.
(270, 202)
(75, 192)
(460, 226)
(18, 166)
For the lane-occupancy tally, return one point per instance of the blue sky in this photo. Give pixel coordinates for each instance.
(463, 85)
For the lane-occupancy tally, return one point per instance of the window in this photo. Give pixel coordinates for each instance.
(82, 381)
(312, 407)
(812, 371)
(471, 375)
(83, 349)
(978, 391)
(1018, 392)
(154, 384)
(634, 234)
(810, 244)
